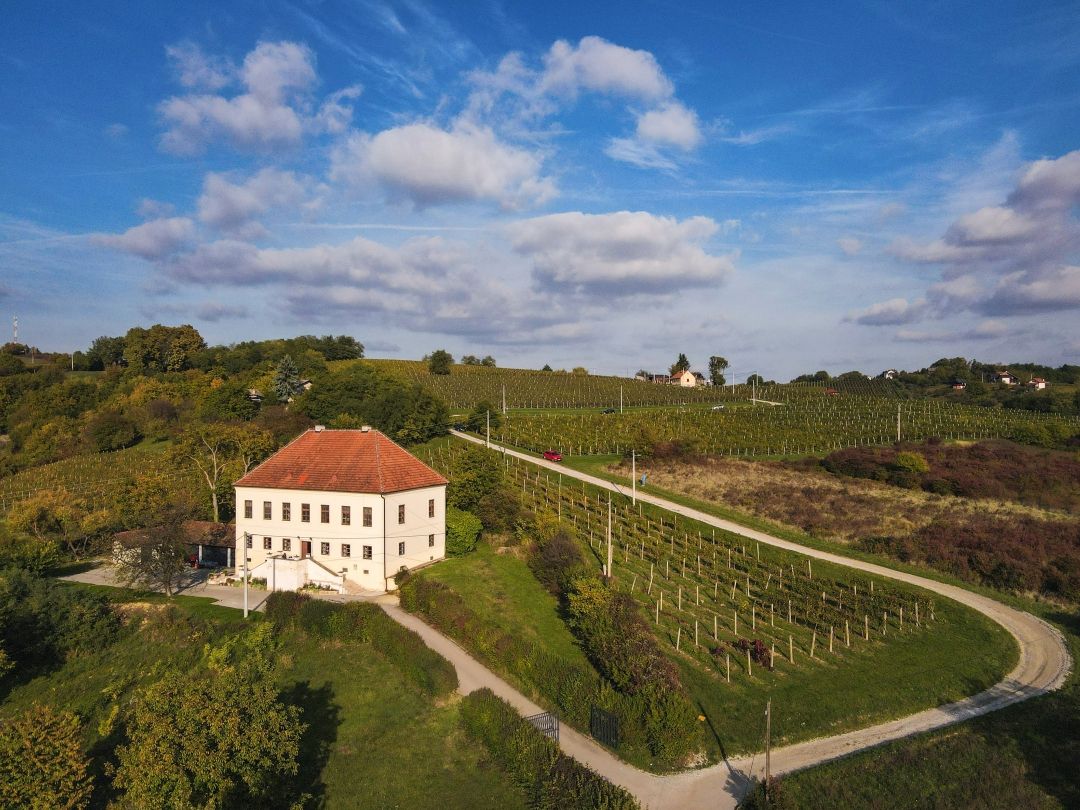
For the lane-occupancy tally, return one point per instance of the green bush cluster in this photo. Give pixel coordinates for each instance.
(369, 624)
(462, 531)
(571, 688)
(550, 778)
(42, 621)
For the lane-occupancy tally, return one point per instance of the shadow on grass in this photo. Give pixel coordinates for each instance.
(322, 716)
(1046, 730)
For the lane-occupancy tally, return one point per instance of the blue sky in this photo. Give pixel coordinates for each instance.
(797, 186)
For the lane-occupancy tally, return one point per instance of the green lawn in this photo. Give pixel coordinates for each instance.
(1025, 756)
(501, 588)
(376, 743)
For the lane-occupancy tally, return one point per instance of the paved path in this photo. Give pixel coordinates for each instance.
(1043, 666)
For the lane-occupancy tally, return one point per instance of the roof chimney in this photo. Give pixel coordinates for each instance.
(320, 428)
(365, 429)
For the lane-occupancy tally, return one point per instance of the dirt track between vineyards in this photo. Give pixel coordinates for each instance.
(1043, 666)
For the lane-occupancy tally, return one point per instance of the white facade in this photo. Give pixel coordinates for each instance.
(407, 529)
(686, 379)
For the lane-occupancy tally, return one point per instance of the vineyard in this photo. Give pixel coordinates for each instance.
(94, 478)
(748, 617)
(805, 425)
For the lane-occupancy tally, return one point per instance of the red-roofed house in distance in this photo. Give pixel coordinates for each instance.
(343, 509)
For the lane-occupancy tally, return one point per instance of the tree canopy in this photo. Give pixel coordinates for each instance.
(680, 365)
(717, 366)
(439, 361)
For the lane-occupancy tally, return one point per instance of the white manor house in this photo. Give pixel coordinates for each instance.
(345, 509)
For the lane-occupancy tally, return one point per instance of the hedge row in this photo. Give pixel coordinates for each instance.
(570, 687)
(367, 623)
(550, 778)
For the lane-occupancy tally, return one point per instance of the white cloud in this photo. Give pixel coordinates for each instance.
(231, 206)
(196, 69)
(850, 245)
(272, 112)
(151, 240)
(427, 165)
(621, 253)
(1015, 258)
(602, 66)
(672, 124)
(636, 153)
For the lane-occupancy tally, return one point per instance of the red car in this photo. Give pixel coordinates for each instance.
(551, 455)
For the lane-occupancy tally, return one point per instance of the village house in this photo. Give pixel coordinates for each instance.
(1038, 383)
(684, 378)
(1005, 377)
(342, 509)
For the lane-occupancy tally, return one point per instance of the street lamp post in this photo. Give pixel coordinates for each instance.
(246, 538)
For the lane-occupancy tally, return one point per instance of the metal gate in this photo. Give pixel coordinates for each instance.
(604, 727)
(546, 723)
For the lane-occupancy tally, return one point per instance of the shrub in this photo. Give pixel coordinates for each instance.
(555, 559)
(550, 778)
(42, 763)
(462, 531)
(912, 462)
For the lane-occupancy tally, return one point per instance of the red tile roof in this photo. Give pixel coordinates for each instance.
(342, 461)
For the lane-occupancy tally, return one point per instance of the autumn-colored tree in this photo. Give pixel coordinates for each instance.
(42, 763)
(155, 558)
(217, 737)
(219, 450)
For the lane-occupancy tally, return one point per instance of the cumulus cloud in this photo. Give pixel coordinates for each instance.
(671, 124)
(273, 111)
(231, 207)
(1015, 258)
(622, 253)
(601, 66)
(428, 165)
(151, 240)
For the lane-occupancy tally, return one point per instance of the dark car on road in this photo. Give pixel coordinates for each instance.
(608, 410)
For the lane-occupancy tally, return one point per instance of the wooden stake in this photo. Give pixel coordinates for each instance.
(634, 583)
(884, 622)
(753, 617)
(813, 643)
(772, 656)
(901, 617)
(791, 649)
(714, 628)
(847, 633)
(866, 627)
(650, 578)
(678, 637)
(749, 668)
(736, 621)
(727, 658)
(830, 637)
(789, 611)
(680, 597)
(809, 570)
(658, 613)
(695, 632)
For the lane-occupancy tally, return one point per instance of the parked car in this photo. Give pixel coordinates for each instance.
(608, 410)
(552, 455)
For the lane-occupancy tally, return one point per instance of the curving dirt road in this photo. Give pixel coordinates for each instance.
(1043, 666)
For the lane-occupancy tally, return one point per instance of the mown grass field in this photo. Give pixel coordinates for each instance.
(374, 740)
(1024, 756)
(952, 651)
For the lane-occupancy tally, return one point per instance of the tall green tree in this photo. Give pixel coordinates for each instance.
(42, 763)
(717, 366)
(218, 737)
(440, 361)
(478, 419)
(680, 365)
(287, 380)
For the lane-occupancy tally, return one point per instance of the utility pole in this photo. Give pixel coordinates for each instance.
(246, 538)
(504, 399)
(768, 742)
(620, 399)
(487, 441)
(608, 571)
(898, 423)
(753, 395)
(633, 473)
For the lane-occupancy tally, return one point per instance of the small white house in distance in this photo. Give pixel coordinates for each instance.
(685, 378)
(345, 509)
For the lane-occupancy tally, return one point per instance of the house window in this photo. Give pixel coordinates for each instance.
(247, 540)
(346, 515)
(324, 549)
(431, 507)
(346, 550)
(268, 543)
(286, 511)
(401, 513)
(324, 513)
(286, 544)
(367, 552)
(267, 510)
(367, 515)
(401, 548)
(305, 512)
(431, 541)
(247, 509)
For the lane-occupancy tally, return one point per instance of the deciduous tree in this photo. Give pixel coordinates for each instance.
(42, 763)
(717, 366)
(680, 365)
(440, 361)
